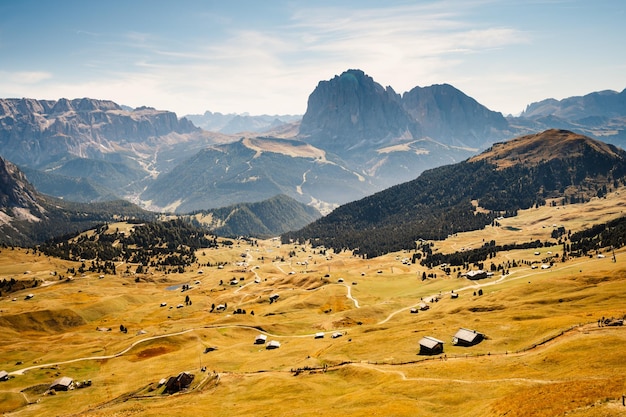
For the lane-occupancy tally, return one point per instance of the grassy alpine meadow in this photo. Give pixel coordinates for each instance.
(347, 330)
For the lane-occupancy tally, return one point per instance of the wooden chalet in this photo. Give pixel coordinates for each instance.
(466, 337)
(274, 344)
(430, 346)
(178, 383)
(64, 383)
(475, 275)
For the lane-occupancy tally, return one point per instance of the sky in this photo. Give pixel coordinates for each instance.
(267, 57)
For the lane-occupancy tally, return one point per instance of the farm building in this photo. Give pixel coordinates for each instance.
(260, 339)
(274, 344)
(64, 383)
(466, 337)
(4, 375)
(423, 306)
(430, 346)
(319, 335)
(474, 275)
(178, 383)
(336, 335)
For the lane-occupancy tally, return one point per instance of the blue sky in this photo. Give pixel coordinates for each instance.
(266, 57)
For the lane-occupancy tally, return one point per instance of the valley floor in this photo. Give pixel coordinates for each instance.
(546, 351)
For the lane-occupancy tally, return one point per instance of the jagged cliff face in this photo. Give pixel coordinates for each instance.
(40, 132)
(448, 115)
(352, 112)
(16, 194)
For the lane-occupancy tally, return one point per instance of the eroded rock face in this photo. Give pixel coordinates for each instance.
(352, 112)
(37, 132)
(15, 191)
(448, 115)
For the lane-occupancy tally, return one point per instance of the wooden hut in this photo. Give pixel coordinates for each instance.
(466, 337)
(178, 383)
(274, 344)
(430, 346)
(260, 339)
(64, 383)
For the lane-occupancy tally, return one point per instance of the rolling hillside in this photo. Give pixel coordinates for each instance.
(264, 219)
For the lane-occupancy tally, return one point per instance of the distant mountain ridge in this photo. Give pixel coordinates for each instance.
(97, 140)
(509, 176)
(607, 104)
(237, 123)
(37, 132)
(359, 136)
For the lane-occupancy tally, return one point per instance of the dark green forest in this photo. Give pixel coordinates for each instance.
(167, 245)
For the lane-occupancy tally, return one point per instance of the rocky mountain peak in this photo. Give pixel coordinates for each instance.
(446, 113)
(351, 111)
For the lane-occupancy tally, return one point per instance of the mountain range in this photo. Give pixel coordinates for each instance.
(355, 139)
(233, 123)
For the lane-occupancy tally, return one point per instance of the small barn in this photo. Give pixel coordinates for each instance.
(64, 383)
(430, 346)
(178, 383)
(260, 339)
(466, 337)
(4, 375)
(319, 335)
(274, 344)
(474, 275)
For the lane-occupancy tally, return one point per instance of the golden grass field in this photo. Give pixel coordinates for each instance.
(544, 353)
